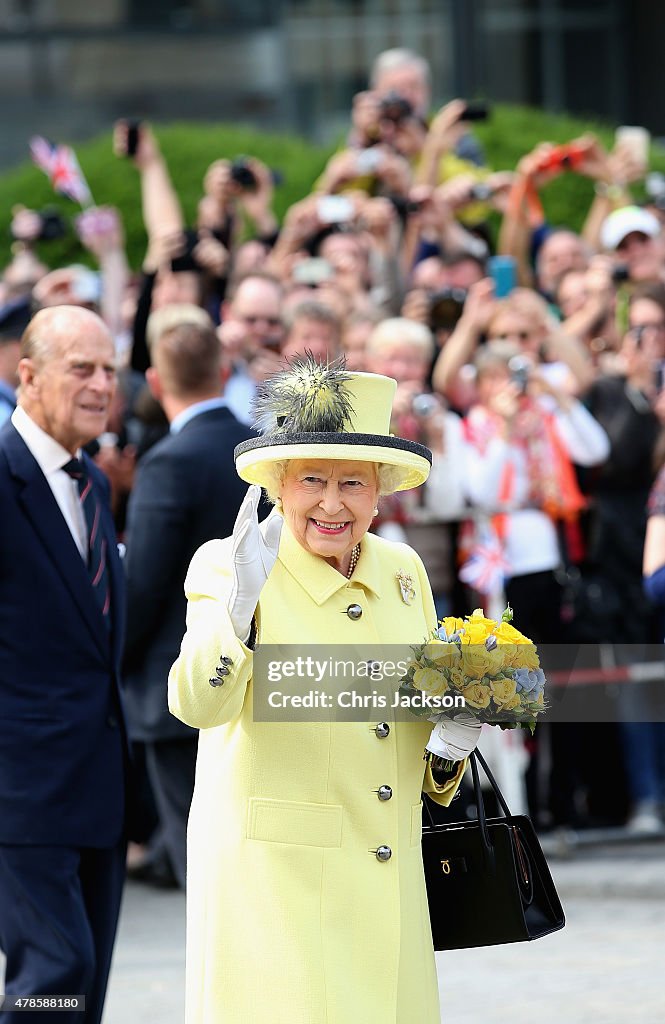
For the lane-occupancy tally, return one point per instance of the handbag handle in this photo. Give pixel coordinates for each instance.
(475, 758)
(476, 755)
(480, 804)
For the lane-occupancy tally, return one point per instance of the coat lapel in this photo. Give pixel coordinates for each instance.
(42, 511)
(318, 578)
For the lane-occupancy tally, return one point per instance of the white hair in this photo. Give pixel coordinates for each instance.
(400, 329)
(398, 57)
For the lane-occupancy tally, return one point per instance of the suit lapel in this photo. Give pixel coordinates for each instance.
(42, 511)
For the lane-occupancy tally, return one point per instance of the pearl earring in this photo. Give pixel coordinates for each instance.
(375, 512)
(278, 502)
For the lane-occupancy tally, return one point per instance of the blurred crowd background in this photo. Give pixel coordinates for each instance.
(529, 354)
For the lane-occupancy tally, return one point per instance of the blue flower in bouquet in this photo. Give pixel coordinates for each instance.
(530, 683)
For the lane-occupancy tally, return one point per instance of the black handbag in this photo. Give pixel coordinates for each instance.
(487, 880)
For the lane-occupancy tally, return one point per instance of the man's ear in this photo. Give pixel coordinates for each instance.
(154, 383)
(27, 372)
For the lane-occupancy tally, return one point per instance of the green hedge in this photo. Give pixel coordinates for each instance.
(189, 148)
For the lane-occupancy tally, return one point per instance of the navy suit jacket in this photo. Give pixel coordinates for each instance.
(63, 744)
(186, 492)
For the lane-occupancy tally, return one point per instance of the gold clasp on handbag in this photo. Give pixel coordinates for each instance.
(445, 867)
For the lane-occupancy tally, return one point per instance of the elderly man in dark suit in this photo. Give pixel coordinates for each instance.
(185, 493)
(63, 750)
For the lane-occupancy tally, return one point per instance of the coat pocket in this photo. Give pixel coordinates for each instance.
(300, 824)
(416, 824)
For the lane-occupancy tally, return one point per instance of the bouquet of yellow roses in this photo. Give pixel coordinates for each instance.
(476, 668)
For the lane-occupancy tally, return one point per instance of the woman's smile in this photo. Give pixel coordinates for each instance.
(334, 528)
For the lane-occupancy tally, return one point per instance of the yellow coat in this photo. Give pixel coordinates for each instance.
(291, 917)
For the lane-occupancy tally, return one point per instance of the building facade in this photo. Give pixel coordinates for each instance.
(68, 68)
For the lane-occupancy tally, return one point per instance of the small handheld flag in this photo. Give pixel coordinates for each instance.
(61, 166)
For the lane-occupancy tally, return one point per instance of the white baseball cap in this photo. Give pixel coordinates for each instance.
(624, 222)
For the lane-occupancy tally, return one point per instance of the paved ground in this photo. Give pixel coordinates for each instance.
(605, 967)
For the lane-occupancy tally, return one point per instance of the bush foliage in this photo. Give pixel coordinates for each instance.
(190, 147)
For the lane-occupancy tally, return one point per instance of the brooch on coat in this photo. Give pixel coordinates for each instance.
(406, 587)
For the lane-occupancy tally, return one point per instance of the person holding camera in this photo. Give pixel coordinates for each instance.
(623, 538)
(346, 247)
(587, 301)
(251, 335)
(524, 434)
(633, 238)
(523, 318)
(630, 405)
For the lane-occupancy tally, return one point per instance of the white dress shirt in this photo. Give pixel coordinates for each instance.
(51, 457)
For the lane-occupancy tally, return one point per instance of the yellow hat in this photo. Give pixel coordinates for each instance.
(313, 411)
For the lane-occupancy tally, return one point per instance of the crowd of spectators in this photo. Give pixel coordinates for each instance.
(536, 379)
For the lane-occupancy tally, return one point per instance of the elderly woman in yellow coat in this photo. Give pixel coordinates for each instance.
(306, 895)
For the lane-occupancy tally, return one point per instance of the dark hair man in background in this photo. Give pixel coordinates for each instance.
(186, 492)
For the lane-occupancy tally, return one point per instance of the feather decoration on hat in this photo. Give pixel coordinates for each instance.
(308, 397)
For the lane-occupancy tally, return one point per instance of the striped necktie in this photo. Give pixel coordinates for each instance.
(92, 511)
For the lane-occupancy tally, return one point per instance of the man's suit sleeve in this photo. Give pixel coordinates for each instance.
(156, 541)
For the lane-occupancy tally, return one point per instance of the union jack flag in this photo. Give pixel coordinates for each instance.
(61, 166)
(486, 568)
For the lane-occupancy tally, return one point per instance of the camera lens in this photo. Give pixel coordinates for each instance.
(243, 175)
(424, 405)
(481, 192)
(394, 107)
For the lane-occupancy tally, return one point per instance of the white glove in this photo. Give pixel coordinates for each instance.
(454, 740)
(254, 554)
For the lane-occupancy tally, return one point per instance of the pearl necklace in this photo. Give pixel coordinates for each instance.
(355, 555)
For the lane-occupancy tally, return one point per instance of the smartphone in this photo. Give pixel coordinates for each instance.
(475, 112)
(636, 140)
(567, 157)
(312, 272)
(503, 271)
(334, 209)
(133, 135)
